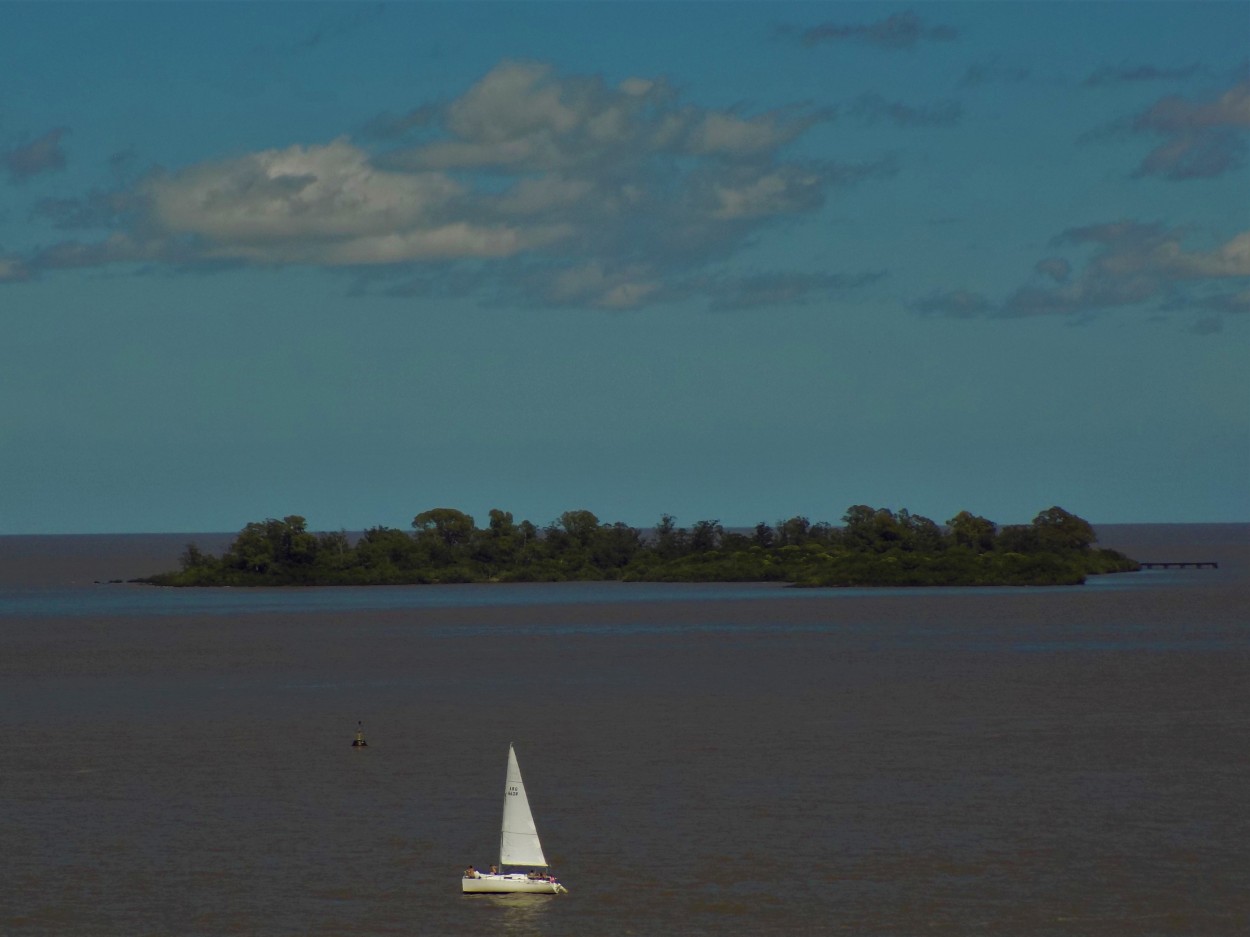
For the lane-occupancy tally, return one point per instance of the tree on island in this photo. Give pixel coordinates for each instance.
(973, 532)
(873, 547)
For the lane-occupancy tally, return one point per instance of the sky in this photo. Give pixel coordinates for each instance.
(734, 262)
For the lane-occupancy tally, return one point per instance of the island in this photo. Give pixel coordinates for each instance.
(872, 547)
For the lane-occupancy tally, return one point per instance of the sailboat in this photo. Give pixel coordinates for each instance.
(518, 846)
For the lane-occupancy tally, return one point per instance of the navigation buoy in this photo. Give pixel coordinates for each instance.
(359, 741)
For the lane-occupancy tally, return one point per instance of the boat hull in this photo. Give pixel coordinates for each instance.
(509, 883)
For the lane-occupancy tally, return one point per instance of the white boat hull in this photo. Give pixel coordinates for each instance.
(509, 883)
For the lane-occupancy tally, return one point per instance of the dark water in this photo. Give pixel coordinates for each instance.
(724, 760)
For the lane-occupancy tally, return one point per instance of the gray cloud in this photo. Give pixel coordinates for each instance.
(1129, 265)
(338, 22)
(441, 282)
(987, 73)
(1235, 303)
(122, 165)
(783, 289)
(41, 155)
(1199, 154)
(954, 304)
(398, 126)
(97, 209)
(14, 269)
(1123, 74)
(898, 31)
(871, 108)
(1200, 138)
(1056, 268)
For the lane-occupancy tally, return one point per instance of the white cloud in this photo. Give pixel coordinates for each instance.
(724, 132)
(513, 100)
(594, 284)
(447, 242)
(523, 116)
(327, 205)
(307, 193)
(1231, 259)
(782, 192)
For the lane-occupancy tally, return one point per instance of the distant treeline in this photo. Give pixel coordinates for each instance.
(873, 547)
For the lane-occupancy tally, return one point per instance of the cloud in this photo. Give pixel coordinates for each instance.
(1208, 325)
(328, 205)
(441, 284)
(954, 304)
(871, 108)
(986, 73)
(1200, 138)
(97, 209)
(396, 127)
(41, 155)
(553, 188)
(1237, 303)
(1129, 265)
(601, 285)
(321, 205)
(13, 270)
(1056, 268)
(606, 285)
(336, 23)
(1124, 74)
(524, 117)
(784, 289)
(749, 195)
(897, 31)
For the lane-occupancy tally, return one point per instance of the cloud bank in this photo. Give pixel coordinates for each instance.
(536, 187)
(563, 189)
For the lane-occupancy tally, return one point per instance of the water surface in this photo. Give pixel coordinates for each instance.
(700, 759)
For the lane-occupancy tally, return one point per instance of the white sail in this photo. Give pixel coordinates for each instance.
(518, 841)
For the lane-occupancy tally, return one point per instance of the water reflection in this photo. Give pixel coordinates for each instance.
(519, 913)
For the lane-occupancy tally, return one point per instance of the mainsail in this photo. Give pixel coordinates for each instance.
(518, 842)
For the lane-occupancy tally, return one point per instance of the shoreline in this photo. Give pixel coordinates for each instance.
(41, 560)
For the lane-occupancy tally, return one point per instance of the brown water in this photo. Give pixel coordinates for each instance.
(701, 760)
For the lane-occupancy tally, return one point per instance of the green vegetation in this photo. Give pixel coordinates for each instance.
(874, 547)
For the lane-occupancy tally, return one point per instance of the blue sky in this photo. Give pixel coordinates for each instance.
(725, 261)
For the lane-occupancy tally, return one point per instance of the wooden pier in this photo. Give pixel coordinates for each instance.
(1158, 564)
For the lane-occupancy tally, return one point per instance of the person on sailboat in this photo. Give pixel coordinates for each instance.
(471, 872)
